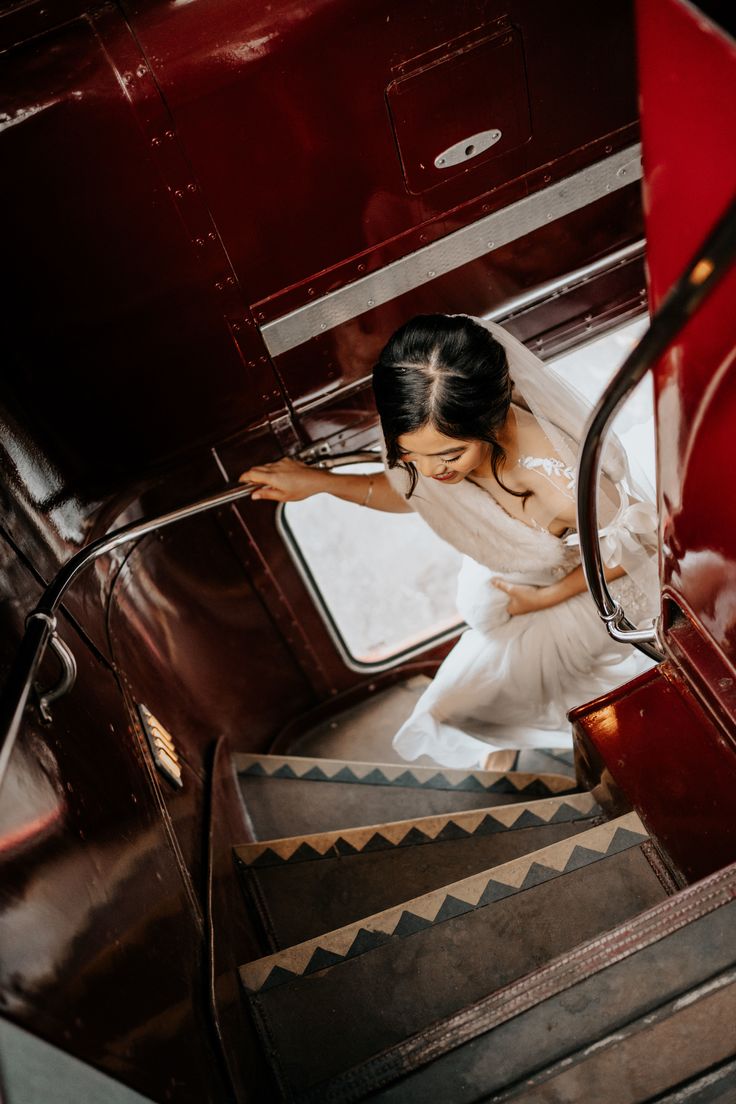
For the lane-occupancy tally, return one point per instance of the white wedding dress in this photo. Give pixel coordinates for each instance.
(509, 681)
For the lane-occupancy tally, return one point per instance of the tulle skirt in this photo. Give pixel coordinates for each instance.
(509, 681)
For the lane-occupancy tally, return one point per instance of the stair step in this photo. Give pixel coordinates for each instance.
(302, 886)
(621, 1019)
(330, 1003)
(288, 795)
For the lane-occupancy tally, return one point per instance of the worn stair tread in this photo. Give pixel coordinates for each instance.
(330, 1003)
(302, 886)
(292, 795)
(529, 1033)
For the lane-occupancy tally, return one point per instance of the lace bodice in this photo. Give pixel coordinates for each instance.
(553, 469)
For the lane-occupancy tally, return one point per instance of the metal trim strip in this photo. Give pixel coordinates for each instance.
(451, 252)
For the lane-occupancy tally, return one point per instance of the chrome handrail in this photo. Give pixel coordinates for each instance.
(701, 276)
(41, 622)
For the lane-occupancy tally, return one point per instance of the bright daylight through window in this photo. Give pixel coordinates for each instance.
(384, 582)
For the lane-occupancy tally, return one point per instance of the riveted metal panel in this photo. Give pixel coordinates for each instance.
(451, 252)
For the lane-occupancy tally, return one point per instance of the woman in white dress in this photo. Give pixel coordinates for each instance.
(481, 440)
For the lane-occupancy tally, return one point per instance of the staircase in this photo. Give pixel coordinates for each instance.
(452, 936)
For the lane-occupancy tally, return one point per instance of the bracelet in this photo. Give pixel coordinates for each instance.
(367, 498)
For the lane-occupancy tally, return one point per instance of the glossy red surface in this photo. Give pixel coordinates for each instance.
(100, 928)
(653, 742)
(668, 741)
(254, 105)
(688, 94)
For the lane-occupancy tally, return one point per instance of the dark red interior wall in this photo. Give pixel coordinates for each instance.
(101, 929)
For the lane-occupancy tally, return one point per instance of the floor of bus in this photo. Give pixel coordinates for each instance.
(365, 732)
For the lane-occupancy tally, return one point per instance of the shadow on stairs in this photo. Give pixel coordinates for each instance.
(429, 934)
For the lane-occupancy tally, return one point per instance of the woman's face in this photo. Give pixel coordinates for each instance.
(446, 459)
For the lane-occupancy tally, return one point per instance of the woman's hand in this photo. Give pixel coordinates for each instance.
(285, 480)
(522, 598)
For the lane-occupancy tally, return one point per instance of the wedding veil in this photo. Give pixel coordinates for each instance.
(626, 505)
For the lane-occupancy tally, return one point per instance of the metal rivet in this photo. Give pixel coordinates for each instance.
(219, 286)
(199, 242)
(191, 187)
(212, 235)
(431, 273)
(141, 71)
(310, 291)
(371, 302)
(169, 134)
(361, 268)
(178, 193)
(323, 325)
(230, 281)
(155, 142)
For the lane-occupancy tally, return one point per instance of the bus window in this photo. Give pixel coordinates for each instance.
(384, 583)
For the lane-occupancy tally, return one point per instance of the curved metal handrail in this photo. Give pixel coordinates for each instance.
(41, 622)
(684, 298)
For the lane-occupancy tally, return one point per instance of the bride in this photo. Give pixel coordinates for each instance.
(481, 440)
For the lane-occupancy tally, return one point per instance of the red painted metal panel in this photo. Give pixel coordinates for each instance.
(654, 742)
(472, 87)
(100, 930)
(668, 741)
(269, 99)
(688, 94)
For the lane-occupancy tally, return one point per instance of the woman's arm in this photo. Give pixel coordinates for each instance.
(526, 599)
(291, 481)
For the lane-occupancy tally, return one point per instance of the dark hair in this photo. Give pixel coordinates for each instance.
(448, 372)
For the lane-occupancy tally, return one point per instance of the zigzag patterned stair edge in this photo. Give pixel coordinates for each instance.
(469, 894)
(302, 769)
(428, 829)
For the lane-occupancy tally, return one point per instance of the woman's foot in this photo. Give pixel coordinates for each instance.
(501, 760)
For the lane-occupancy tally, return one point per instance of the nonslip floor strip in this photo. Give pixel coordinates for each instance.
(451, 900)
(392, 774)
(402, 833)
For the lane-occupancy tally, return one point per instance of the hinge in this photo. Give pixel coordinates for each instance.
(286, 433)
